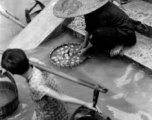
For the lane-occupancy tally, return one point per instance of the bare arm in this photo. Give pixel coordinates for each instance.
(68, 99)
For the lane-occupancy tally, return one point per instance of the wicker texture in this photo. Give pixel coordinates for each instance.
(76, 63)
(74, 8)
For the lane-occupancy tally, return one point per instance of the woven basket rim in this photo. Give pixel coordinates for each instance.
(64, 44)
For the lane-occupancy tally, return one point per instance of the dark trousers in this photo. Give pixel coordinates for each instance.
(107, 38)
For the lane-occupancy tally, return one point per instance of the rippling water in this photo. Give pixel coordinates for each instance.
(130, 88)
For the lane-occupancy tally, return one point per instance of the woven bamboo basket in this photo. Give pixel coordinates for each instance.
(54, 53)
(9, 107)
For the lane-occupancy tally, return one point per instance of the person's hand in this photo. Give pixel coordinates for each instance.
(90, 106)
(82, 51)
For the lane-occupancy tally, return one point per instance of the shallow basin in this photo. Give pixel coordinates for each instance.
(9, 100)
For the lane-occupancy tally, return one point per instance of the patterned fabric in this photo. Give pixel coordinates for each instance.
(78, 25)
(47, 108)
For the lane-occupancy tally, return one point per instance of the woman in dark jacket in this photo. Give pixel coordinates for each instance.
(108, 27)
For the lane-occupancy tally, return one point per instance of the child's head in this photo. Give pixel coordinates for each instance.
(15, 61)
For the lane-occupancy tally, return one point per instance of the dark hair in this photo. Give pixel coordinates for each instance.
(15, 61)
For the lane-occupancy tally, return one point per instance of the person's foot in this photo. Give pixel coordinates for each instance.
(116, 50)
(123, 50)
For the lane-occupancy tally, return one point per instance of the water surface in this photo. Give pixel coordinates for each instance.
(130, 88)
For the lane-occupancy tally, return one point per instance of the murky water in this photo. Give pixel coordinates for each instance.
(5, 97)
(130, 89)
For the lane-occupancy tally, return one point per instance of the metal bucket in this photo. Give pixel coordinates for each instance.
(83, 113)
(9, 89)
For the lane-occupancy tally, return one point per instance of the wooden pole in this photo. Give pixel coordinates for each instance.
(8, 15)
(70, 78)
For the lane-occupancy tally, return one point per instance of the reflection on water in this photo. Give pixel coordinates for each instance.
(5, 97)
(120, 115)
(130, 89)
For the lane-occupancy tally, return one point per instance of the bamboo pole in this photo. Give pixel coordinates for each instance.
(70, 78)
(8, 15)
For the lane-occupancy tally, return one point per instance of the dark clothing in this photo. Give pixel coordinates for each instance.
(110, 26)
(143, 29)
(104, 38)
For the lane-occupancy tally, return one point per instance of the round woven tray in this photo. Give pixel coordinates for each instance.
(61, 56)
(8, 108)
